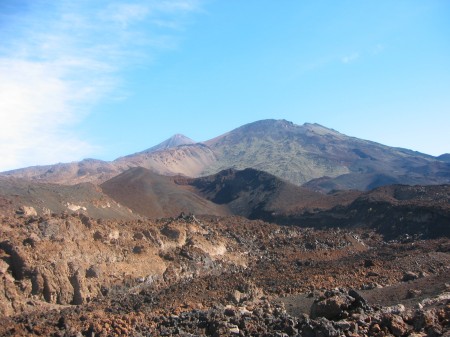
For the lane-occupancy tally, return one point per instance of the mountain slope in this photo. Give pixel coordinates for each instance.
(153, 195)
(188, 160)
(302, 153)
(444, 157)
(47, 198)
(87, 170)
(393, 211)
(259, 195)
(250, 193)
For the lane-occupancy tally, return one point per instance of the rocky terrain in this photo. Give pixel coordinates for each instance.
(396, 210)
(44, 199)
(72, 275)
(311, 154)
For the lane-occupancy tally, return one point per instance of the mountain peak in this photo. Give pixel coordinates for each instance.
(444, 157)
(174, 141)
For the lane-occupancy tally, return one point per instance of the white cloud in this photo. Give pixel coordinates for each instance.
(350, 58)
(57, 59)
(37, 110)
(125, 14)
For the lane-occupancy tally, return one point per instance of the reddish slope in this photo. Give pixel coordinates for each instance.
(153, 195)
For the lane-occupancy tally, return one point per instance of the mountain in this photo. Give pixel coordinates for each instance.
(87, 170)
(172, 142)
(154, 195)
(310, 154)
(260, 195)
(300, 154)
(249, 193)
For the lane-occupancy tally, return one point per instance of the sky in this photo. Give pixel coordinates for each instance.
(102, 79)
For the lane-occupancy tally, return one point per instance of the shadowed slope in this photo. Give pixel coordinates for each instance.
(260, 195)
(395, 210)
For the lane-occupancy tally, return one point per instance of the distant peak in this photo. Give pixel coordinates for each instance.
(180, 136)
(177, 139)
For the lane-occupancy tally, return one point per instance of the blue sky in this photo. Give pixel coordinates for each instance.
(80, 80)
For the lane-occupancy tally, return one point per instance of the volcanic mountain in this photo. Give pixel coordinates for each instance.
(321, 157)
(174, 141)
(154, 195)
(250, 193)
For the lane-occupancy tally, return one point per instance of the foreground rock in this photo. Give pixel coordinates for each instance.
(71, 275)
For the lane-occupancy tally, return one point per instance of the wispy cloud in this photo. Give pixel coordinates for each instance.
(350, 58)
(379, 48)
(59, 58)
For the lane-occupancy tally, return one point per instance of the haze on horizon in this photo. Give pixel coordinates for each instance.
(110, 78)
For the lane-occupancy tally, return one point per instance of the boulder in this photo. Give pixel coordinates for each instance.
(26, 211)
(332, 307)
(395, 324)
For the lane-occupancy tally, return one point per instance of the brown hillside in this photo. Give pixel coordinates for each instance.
(155, 196)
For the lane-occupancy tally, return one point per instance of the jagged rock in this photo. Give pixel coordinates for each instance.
(18, 261)
(26, 211)
(80, 292)
(50, 228)
(369, 263)
(98, 236)
(412, 293)
(409, 276)
(32, 240)
(10, 300)
(424, 319)
(138, 249)
(235, 296)
(394, 309)
(332, 307)
(93, 272)
(3, 267)
(85, 220)
(138, 236)
(395, 324)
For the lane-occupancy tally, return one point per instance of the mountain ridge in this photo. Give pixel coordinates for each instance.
(310, 154)
(176, 140)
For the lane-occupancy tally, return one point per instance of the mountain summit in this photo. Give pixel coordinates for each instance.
(174, 141)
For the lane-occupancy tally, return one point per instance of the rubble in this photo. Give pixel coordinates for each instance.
(71, 275)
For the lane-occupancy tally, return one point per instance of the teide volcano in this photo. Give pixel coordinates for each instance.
(299, 154)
